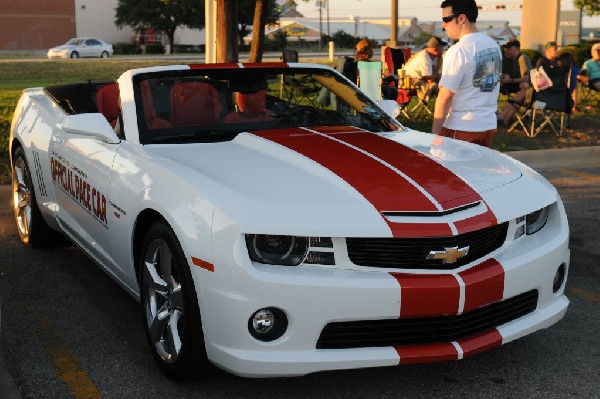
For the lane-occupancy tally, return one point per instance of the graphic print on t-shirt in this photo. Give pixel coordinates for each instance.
(488, 69)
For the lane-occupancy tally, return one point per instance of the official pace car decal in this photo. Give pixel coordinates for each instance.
(391, 176)
(73, 181)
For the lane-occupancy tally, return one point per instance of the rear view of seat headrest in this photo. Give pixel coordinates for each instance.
(107, 101)
(194, 103)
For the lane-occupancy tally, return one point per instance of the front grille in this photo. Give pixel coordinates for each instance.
(411, 253)
(414, 331)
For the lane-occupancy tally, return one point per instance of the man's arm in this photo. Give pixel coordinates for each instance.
(442, 105)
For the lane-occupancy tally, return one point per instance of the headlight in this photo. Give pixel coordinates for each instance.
(276, 249)
(536, 220)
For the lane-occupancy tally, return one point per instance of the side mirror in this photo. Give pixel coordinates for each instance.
(390, 107)
(92, 125)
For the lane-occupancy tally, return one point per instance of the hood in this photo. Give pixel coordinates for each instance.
(64, 47)
(347, 168)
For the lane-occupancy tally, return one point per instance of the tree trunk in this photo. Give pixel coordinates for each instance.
(171, 36)
(227, 28)
(258, 31)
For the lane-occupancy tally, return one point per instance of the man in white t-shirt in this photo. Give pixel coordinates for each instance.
(466, 105)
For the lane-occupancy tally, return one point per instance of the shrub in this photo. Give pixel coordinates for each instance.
(188, 48)
(343, 39)
(155, 48)
(580, 52)
(125, 48)
(533, 55)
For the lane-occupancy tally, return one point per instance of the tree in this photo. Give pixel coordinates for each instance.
(343, 39)
(588, 7)
(267, 11)
(422, 38)
(227, 23)
(164, 16)
(262, 15)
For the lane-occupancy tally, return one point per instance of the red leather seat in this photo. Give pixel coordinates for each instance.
(107, 101)
(194, 103)
(251, 108)
(152, 121)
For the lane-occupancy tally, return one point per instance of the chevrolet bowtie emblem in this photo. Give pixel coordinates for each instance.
(449, 255)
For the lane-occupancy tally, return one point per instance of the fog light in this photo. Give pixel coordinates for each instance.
(559, 278)
(267, 324)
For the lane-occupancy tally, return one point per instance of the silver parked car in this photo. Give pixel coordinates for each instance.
(82, 47)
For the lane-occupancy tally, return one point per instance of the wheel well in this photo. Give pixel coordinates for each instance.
(144, 220)
(15, 144)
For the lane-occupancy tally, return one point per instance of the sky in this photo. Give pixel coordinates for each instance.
(423, 10)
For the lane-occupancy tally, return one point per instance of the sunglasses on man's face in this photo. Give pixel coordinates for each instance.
(449, 18)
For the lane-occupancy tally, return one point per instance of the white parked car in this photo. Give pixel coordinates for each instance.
(82, 47)
(272, 235)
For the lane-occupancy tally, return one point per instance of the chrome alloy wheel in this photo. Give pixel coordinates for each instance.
(164, 305)
(22, 196)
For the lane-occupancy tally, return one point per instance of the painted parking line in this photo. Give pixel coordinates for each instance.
(579, 174)
(65, 361)
(580, 292)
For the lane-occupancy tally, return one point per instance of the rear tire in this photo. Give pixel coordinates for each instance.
(32, 228)
(170, 308)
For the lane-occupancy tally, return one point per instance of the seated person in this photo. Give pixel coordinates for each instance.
(590, 72)
(566, 60)
(515, 77)
(550, 58)
(364, 51)
(424, 67)
(557, 73)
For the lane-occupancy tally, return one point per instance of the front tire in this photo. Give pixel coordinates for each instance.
(32, 228)
(170, 306)
(104, 54)
(74, 54)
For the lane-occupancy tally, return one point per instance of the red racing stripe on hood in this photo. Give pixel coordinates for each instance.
(428, 295)
(380, 185)
(437, 180)
(444, 186)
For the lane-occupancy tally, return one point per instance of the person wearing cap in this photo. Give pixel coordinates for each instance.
(590, 71)
(425, 64)
(550, 58)
(515, 77)
(364, 51)
(424, 68)
(465, 107)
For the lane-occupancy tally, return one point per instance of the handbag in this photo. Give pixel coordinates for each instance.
(540, 79)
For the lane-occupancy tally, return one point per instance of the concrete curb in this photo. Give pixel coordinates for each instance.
(579, 157)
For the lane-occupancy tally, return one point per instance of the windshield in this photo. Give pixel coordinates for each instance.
(204, 105)
(75, 42)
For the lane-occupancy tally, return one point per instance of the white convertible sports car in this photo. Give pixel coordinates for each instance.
(273, 235)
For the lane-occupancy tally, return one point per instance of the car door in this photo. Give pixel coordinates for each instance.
(81, 166)
(91, 48)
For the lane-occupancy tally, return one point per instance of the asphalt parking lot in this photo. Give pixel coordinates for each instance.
(69, 331)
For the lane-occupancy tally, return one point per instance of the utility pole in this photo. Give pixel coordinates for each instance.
(393, 42)
(320, 2)
(328, 30)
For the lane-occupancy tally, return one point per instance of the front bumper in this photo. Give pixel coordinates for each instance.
(312, 297)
